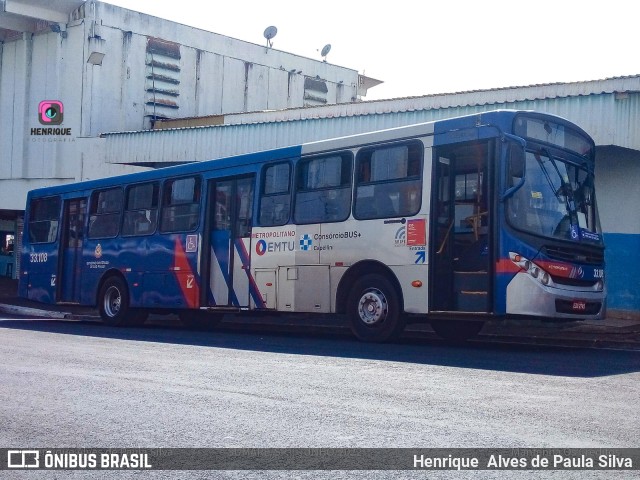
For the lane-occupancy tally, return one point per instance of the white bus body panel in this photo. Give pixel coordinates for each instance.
(302, 265)
(298, 267)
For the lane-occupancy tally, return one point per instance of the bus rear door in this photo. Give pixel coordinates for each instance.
(229, 226)
(70, 267)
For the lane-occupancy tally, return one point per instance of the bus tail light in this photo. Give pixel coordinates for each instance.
(532, 269)
(416, 283)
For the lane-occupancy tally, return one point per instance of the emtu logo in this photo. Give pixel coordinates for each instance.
(50, 112)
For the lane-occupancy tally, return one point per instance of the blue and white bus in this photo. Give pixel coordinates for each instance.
(453, 222)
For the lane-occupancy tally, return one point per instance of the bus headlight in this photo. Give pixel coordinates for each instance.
(532, 269)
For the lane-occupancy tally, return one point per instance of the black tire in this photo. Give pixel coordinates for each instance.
(374, 311)
(456, 331)
(201, 320)
(113, 302)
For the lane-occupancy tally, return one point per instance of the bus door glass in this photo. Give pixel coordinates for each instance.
(70, 274)
(461, 248)
(230, 217)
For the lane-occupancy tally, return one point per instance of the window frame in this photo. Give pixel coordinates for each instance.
(263, 195)
(93, 203)
(155, 211)
(365, 155)
(346, 183)
(32, 206)
(166, 189)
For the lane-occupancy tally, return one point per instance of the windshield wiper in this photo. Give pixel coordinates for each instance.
(564, 186)
(565, 189)
(536, 155)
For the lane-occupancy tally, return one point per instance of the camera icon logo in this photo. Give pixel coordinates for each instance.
(50, 112)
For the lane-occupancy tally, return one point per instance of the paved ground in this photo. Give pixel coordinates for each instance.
(612, 332)
(83, 384)
(79, 383)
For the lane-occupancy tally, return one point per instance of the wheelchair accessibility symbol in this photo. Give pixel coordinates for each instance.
(192, 243)
(574, 233)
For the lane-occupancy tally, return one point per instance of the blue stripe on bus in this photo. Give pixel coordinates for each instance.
(246, 264)
(221, 251)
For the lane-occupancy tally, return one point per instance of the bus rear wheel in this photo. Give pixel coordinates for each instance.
(113, 302)
(456, 331)
(373, 308)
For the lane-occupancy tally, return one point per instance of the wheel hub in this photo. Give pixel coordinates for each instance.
(112, 301)
(372, 307)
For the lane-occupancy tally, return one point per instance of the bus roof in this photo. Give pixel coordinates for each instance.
(501, 119)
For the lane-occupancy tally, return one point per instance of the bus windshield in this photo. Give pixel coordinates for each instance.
(554, 199)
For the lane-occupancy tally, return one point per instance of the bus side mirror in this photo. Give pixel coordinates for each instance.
(516, 161)
(516, 167)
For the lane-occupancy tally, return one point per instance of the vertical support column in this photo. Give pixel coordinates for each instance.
(17, 246)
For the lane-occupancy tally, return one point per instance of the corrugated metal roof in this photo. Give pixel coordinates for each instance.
(597, 106)
(447, 100)
(484, 97)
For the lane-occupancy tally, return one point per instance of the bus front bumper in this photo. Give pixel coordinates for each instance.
(527, 296)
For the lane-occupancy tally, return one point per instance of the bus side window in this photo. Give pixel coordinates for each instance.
(141, 209)
(180, 205)
(44, 214)
(275, 198)
(323, 189)
(104, 216)
(389, 181)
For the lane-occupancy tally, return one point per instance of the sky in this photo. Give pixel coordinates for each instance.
(423, 47)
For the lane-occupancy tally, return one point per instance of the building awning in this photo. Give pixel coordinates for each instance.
(17, 16)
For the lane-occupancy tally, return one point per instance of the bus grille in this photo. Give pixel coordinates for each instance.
(574, 255)
(573, 282)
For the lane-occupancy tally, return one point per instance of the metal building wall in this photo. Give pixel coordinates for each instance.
(617, 180)
(116, 69)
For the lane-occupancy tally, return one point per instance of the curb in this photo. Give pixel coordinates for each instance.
(16, 310)
(40, 313)
(490, 338)
(595, 342)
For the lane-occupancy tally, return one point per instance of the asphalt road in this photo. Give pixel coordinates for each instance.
(80, 384)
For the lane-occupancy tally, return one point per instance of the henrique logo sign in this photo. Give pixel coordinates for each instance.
(51, 114)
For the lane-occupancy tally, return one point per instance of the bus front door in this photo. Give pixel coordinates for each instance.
(460, 252)
(229, 225)
(70, 268)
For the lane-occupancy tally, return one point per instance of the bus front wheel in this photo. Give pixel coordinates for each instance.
(373, 308)
(113, 302)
